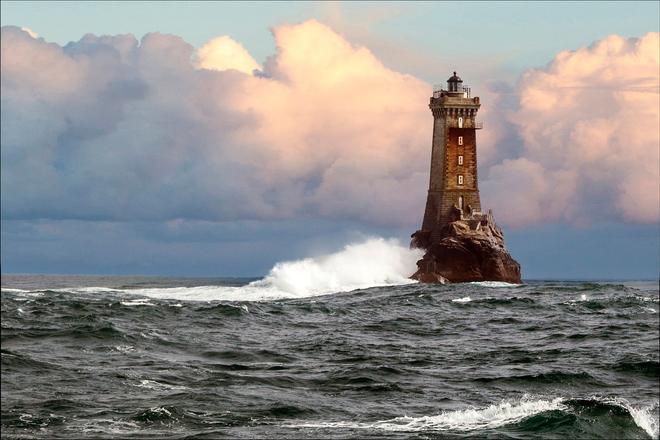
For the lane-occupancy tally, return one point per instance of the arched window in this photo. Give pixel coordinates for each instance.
(460, 160)
(460, 180)
(460, 122)
(460, 140)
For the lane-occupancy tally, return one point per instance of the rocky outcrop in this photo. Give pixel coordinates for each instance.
(464, 250)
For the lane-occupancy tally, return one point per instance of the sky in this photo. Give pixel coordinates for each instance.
(216, 139)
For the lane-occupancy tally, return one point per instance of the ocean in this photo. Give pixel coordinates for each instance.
(174, 358)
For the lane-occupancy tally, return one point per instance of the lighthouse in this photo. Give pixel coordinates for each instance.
(453, 182)
(462, 244)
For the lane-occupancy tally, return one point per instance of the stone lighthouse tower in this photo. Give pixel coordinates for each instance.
(462, 244)
(453, 183)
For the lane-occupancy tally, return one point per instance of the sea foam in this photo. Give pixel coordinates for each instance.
(494, 416)
(370, 263)
(494, 284)
(643, 417)
(373, 262)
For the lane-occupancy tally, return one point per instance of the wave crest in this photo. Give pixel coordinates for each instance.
(493, 416)
(501, 414)
(373, 262)
(494, 284)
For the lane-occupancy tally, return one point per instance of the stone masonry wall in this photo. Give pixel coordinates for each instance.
(444, 190)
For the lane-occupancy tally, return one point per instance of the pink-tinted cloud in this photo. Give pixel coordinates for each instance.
(30, 32)
(112, 128)
(223, 53)
(589, 124)
(331, 112)
(155, 130)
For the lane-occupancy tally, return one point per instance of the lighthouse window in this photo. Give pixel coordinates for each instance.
(460, 160)
(460, 122)
(460, 180)
(460, 140)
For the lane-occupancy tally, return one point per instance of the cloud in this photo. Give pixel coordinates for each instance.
(115, 129)
(112, 129)
(589, 125)
(30, 32)
(223, 53)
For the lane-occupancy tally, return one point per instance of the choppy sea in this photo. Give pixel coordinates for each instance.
(174, 358)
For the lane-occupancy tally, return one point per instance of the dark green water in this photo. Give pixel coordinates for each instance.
(113, 357)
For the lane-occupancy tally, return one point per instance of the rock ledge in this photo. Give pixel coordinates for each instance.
(464, 250)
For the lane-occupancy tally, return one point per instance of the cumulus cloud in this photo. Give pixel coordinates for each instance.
(30, 32)
(109, 128)
(223, 53)
(112, 128)
(589, 124)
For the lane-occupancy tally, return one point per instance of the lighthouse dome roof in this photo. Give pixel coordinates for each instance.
(455, 78)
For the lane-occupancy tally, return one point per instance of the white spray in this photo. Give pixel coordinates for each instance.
(373, 262)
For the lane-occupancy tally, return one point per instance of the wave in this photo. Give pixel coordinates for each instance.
(649, 368)
(492, 300)
(513, 413)
(371, 263)
(494, 284)
(374, 262)
(159, 414)
(548, 377)
(22, 362)
(633, 303)
(137, 302)
(493, 416)
(159, 386)
(645, 420)
(84, 290)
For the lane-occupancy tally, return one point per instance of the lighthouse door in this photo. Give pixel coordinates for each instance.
(460, 202)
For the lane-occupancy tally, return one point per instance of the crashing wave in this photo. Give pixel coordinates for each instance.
(492, 416)
(495, 416)
(373, 262)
